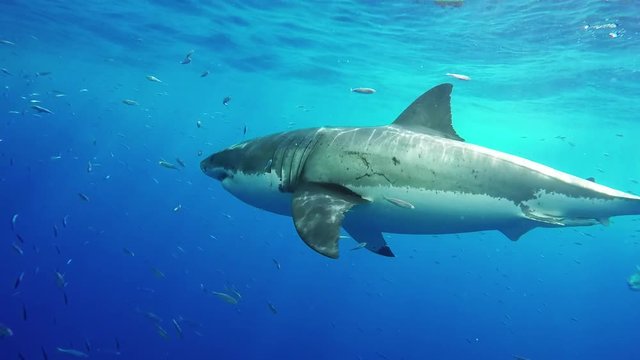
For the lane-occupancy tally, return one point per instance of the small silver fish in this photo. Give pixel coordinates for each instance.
(459, 76)
(187, 58)
(277, 263)
(7, 42)
(161, 331)
(83, 197)
(153, 79)
(167, 165)
(17, 248)
(60, 280)
(359, 246)
(205, 73)
(14, 218)
(128, 252)
(73, 352)
(41, 109)
(400, 203)
(272, 308)
(6, 71)
(158, 273)
(153, 317)
(178, 328)
(18, 281)
(363, 90)
(234, 291)
(130, 102)
(180, 162)
(5, 331)
(518, 357)
(226, 297)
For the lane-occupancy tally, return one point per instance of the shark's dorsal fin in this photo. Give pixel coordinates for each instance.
(431, 112)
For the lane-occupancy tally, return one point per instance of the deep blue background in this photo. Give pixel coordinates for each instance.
(542, 87)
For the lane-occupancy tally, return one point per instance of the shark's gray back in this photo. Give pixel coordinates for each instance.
(394, 156)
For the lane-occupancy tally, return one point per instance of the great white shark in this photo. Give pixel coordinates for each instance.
(415, 176)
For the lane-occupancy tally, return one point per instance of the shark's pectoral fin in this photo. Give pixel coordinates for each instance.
(431, 113)
(373, 239)
(318, 211)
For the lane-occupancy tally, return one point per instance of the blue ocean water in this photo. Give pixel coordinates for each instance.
(556, 82)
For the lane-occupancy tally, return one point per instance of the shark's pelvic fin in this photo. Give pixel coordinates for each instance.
(514, 232)
(318, 211)
(374, 240)
(431, 113)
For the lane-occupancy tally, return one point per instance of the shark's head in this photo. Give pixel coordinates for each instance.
(246, 158)
(245, 170)
(218, 166)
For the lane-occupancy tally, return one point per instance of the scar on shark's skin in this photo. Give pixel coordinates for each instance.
(370, 171)
(395, 160)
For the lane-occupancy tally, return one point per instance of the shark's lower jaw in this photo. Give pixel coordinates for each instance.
(259, 190)
(218, 174)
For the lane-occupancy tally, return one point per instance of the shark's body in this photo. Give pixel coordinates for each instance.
(416, 176)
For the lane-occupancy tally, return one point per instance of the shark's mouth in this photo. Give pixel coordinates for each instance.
(217, 173)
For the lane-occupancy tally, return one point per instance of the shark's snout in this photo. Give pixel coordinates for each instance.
(210, 167)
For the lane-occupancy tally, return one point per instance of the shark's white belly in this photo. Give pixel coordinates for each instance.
(420, 211)
(407, 210)
(392, 209)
